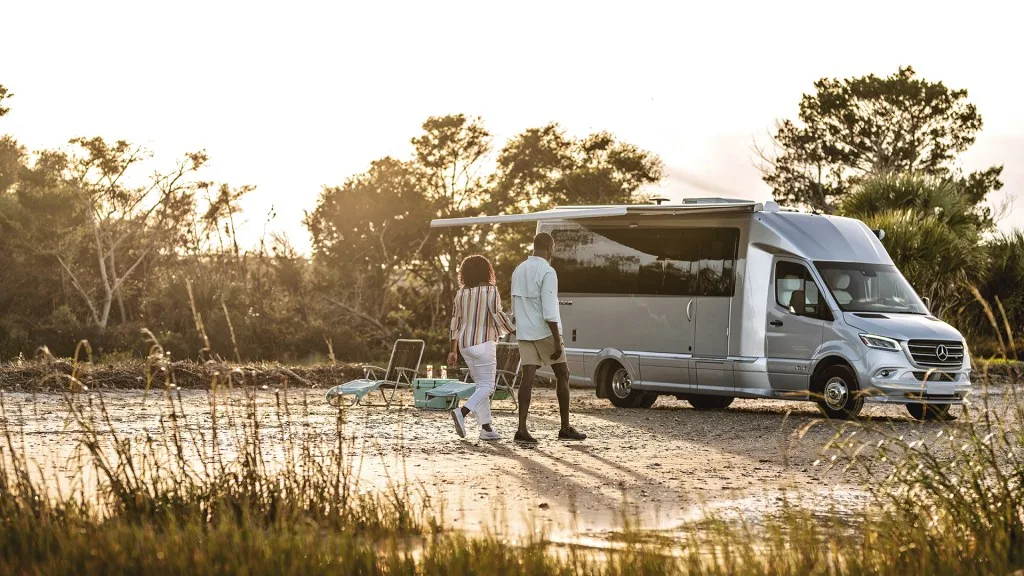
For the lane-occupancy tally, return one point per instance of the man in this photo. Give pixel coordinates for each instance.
(539, 333)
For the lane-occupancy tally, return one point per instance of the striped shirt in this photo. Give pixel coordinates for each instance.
(477, 316)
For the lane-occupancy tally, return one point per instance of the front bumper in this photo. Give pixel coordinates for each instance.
(890, 377)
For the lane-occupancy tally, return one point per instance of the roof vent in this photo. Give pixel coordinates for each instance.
(659, 200)
(771, 206)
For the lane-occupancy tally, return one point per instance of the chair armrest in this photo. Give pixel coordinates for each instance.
(409, 373)
(369, 371)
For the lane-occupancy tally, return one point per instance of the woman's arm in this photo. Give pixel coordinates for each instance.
(504, 323)
(453, 355)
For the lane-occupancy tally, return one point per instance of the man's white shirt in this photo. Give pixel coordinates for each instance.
(535, 299)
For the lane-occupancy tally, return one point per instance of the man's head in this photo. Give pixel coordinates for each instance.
(543, 245)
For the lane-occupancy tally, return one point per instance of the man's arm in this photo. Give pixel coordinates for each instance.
(549, 306)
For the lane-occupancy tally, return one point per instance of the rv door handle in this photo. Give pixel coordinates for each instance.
(776, 323)
(565, 302)
(689, 307)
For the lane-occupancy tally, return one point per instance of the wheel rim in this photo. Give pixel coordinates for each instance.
(621, 383)
(836, 393)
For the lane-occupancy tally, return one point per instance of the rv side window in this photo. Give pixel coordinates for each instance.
(645, 261)
(792, 278)
(717, 261)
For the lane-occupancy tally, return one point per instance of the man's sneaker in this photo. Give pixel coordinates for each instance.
(525, 438)
(571, 433)
(460, 422)
(489, 436)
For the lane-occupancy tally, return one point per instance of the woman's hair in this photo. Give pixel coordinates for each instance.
(476, 271)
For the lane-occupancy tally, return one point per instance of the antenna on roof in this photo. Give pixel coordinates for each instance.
(658, 200)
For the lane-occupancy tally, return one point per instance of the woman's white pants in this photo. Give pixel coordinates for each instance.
(482, 361)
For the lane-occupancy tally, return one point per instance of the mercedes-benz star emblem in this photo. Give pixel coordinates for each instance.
(941, 353)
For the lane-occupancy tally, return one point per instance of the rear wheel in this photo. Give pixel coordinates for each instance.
(620, 388)
(648, 400)
(703, 402)
(920, 411)
(840, 398)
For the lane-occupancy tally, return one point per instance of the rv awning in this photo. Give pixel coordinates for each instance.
(581, 212)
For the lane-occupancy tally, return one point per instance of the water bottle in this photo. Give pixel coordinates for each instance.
(430, 372)
(444, 372)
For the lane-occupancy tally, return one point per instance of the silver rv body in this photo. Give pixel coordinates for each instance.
(718, 299)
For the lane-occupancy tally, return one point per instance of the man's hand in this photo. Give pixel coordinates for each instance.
(558, 350)
(453, 359)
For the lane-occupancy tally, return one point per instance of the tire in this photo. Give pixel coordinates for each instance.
(704, 402)
(919, 411)
(648, 400)
(840, 396)
(620, 388)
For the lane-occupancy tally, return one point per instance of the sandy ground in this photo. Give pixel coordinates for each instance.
(663, 465)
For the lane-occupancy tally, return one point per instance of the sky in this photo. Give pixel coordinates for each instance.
(292, 96)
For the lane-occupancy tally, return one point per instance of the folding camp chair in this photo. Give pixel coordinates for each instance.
(402, 369)
(506, 375)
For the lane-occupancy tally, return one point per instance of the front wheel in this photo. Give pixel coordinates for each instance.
(841, 398)
(920, 411)
(620, 389)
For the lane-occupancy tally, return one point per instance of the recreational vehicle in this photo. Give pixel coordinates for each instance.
(716, 299)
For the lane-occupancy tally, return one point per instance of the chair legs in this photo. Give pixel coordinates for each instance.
(388, 399)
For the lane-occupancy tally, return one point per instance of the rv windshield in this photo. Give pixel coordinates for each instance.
(870, 288)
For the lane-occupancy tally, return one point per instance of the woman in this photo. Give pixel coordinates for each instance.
(477, 324)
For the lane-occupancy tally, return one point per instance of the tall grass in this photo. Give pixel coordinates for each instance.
(254, 489)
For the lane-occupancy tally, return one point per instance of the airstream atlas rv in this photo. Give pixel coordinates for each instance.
(716, 299)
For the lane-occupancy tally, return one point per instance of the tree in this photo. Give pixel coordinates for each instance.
(1001, 287)
(929, 233)
(4, 94)
(858, 127)
(943, 200)
(366, 234)
(12, 155)
(219, 217)
(449, 156)
(543, 168)
(125, 224)
(372, 234)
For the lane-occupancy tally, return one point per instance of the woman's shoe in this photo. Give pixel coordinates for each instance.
(490, 436)
(460, 421)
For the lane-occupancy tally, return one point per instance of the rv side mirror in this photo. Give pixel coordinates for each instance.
(798, 303)
(927, 303)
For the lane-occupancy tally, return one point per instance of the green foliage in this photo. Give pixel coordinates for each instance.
(862, 126)
(4, 94)
(937, 261)
(932, 235)
(12, 158)
(942, 200)
(1001, 286)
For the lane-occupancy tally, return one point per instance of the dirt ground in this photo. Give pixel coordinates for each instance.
(664, 465)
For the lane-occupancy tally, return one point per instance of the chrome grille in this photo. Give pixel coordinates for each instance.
(937, 353)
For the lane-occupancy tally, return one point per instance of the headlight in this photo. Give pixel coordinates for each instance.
(880, 342)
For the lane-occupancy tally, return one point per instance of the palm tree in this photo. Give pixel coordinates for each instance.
(929, 233)
(925, 196)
